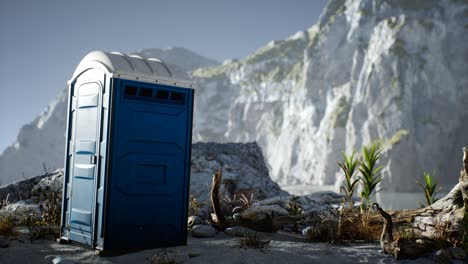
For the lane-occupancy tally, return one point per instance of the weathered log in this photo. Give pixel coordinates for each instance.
(443, 219)
(432, 227)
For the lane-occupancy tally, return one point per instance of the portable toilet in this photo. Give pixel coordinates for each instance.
(128, 144)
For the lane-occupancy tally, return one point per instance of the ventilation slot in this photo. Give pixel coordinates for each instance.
(158, 96)
(177, 98)
(162, 95)
(146, 92)
(130, 91)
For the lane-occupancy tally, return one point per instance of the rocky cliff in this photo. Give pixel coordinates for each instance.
(392, 72)
(388, 71)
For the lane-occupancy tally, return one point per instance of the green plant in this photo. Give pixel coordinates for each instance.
(369, 172)
(294, 206)
(349, 167)
(429, 188)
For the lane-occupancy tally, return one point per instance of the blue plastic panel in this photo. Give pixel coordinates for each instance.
(82, 170)
(150, 159)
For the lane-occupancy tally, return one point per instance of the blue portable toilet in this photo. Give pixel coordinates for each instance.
(128, 146)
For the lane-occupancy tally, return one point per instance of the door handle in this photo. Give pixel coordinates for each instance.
(93, 159)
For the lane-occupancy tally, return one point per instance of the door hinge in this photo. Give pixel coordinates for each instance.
(93, 159)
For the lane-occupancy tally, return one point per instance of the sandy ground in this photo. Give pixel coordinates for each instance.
(220, 249)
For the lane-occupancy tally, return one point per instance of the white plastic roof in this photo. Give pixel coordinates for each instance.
(131, 66)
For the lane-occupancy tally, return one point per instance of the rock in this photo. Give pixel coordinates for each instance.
(307, 98)
(22, 208)
(239, 231)
(258, 212)
(244, 170)
(203, 231)
(442, 256)
(280, 205)
(33, 187)
(307, 231)
(193, 220)
(457, 253)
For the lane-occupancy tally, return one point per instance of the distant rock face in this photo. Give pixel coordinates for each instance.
(388, 71)
(40, 145)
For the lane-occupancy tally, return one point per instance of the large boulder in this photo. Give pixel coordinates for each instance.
(242, 164)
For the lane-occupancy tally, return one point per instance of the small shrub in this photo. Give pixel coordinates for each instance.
(251, 241)
(246, 202)
(51, 209)
(239, 202)
(369, 172)
(349, 167)
(6, 225)
(39, 229)
(430, 189)
(194, 205)
(294, 207)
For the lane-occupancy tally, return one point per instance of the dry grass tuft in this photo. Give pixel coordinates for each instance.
(194, 205)
(251, 241)
(38, 229)
(6, 225)
(359, 224)
(325, 227)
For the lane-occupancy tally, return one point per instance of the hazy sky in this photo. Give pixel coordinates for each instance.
(41, 42)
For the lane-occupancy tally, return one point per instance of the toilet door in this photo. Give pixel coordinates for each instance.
(83, 166)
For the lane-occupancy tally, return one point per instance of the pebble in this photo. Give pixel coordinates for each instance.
(239, 231)
(203, 231)
(193, 220)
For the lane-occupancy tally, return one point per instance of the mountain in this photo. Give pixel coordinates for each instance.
(388, 71)
(40, 144)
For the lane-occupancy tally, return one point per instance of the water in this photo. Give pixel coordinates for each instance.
(387, 200)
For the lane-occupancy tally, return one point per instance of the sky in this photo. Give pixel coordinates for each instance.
(41, 42)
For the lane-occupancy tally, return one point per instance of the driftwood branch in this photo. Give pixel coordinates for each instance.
(215, 202)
